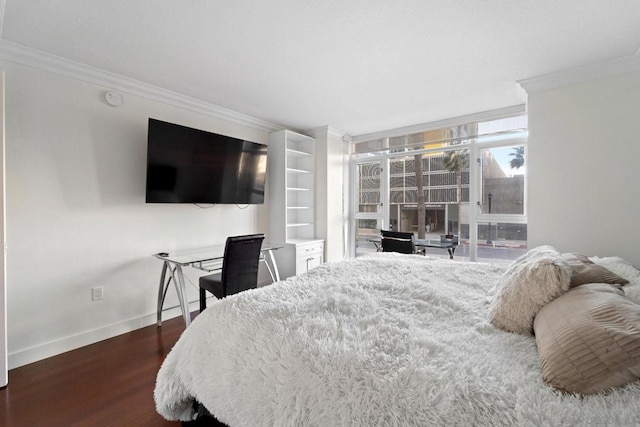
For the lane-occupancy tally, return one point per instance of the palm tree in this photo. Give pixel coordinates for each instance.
(518, 157)
(457, 161)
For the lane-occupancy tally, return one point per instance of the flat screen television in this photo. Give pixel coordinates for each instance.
(186, 165)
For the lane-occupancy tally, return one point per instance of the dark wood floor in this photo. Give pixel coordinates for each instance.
(109, 383)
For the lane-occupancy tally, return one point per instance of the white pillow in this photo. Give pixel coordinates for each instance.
(533, 280)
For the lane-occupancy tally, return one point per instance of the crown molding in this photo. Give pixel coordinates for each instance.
(337, 133)
(329, 131)
(34, 58)
(599, 70)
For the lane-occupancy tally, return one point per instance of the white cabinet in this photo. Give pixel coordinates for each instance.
(309, 254)
(291, 185)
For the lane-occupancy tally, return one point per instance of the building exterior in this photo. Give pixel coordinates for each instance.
(445, 188)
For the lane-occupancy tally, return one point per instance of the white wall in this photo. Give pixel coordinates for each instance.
(331, 159)
(4, 365)
(76, 216)
(584, 151)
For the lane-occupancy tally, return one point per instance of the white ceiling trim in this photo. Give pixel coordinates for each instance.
(329, 130)
(24, 55)
(623, 65)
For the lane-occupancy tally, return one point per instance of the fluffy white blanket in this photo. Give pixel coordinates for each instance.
(383, 340)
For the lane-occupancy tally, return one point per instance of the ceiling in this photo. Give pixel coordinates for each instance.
(359, 66)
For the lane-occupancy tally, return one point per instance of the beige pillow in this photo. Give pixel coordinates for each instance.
(589, 339)
(530, 282)
(583, 270)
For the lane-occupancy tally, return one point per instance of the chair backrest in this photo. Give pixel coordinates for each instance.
(398, 241)
(240, 263)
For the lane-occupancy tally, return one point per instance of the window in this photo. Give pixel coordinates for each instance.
(468, 180)
(369, 186)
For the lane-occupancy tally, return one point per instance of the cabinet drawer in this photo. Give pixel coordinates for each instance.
(309, 249)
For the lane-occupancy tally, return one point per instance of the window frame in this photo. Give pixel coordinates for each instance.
(474, 144)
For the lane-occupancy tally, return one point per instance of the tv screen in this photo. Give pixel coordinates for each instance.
(186, 165)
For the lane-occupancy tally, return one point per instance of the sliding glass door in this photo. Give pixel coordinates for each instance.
(501, 220)
(370, 215)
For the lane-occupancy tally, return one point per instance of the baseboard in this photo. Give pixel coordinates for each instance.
(53, 348)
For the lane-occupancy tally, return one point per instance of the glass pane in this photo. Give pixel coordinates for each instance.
(442, 179)
(434, 139)
(376, 145)
(491, 130)
(367, 236)
(503, 172)
(501, 242)
(368, 175)
(504, 125)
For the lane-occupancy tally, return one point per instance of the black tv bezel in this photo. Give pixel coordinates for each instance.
(183, 142)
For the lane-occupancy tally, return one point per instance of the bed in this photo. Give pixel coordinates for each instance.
(382, 340)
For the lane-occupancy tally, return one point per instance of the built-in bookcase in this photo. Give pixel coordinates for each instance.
(300, 191)
(291, 184)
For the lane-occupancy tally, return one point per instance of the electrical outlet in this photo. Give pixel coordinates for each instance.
(97, 293)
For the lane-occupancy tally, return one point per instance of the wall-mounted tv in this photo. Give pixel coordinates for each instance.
(186, 165)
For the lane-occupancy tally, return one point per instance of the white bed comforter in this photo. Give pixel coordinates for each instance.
(382, 340)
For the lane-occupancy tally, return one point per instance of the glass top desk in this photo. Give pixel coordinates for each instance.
(207, 259)
(448, 244)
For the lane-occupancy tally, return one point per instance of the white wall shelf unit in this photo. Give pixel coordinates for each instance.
(292, 201)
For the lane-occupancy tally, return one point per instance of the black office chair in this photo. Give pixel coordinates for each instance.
(398, 241)
(239, 269)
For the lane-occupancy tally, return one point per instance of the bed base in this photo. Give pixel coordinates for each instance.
(204, 418)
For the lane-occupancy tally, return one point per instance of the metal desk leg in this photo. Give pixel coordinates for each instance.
(275, 276)
(266, 263)
(162, 291)
(178, 281)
